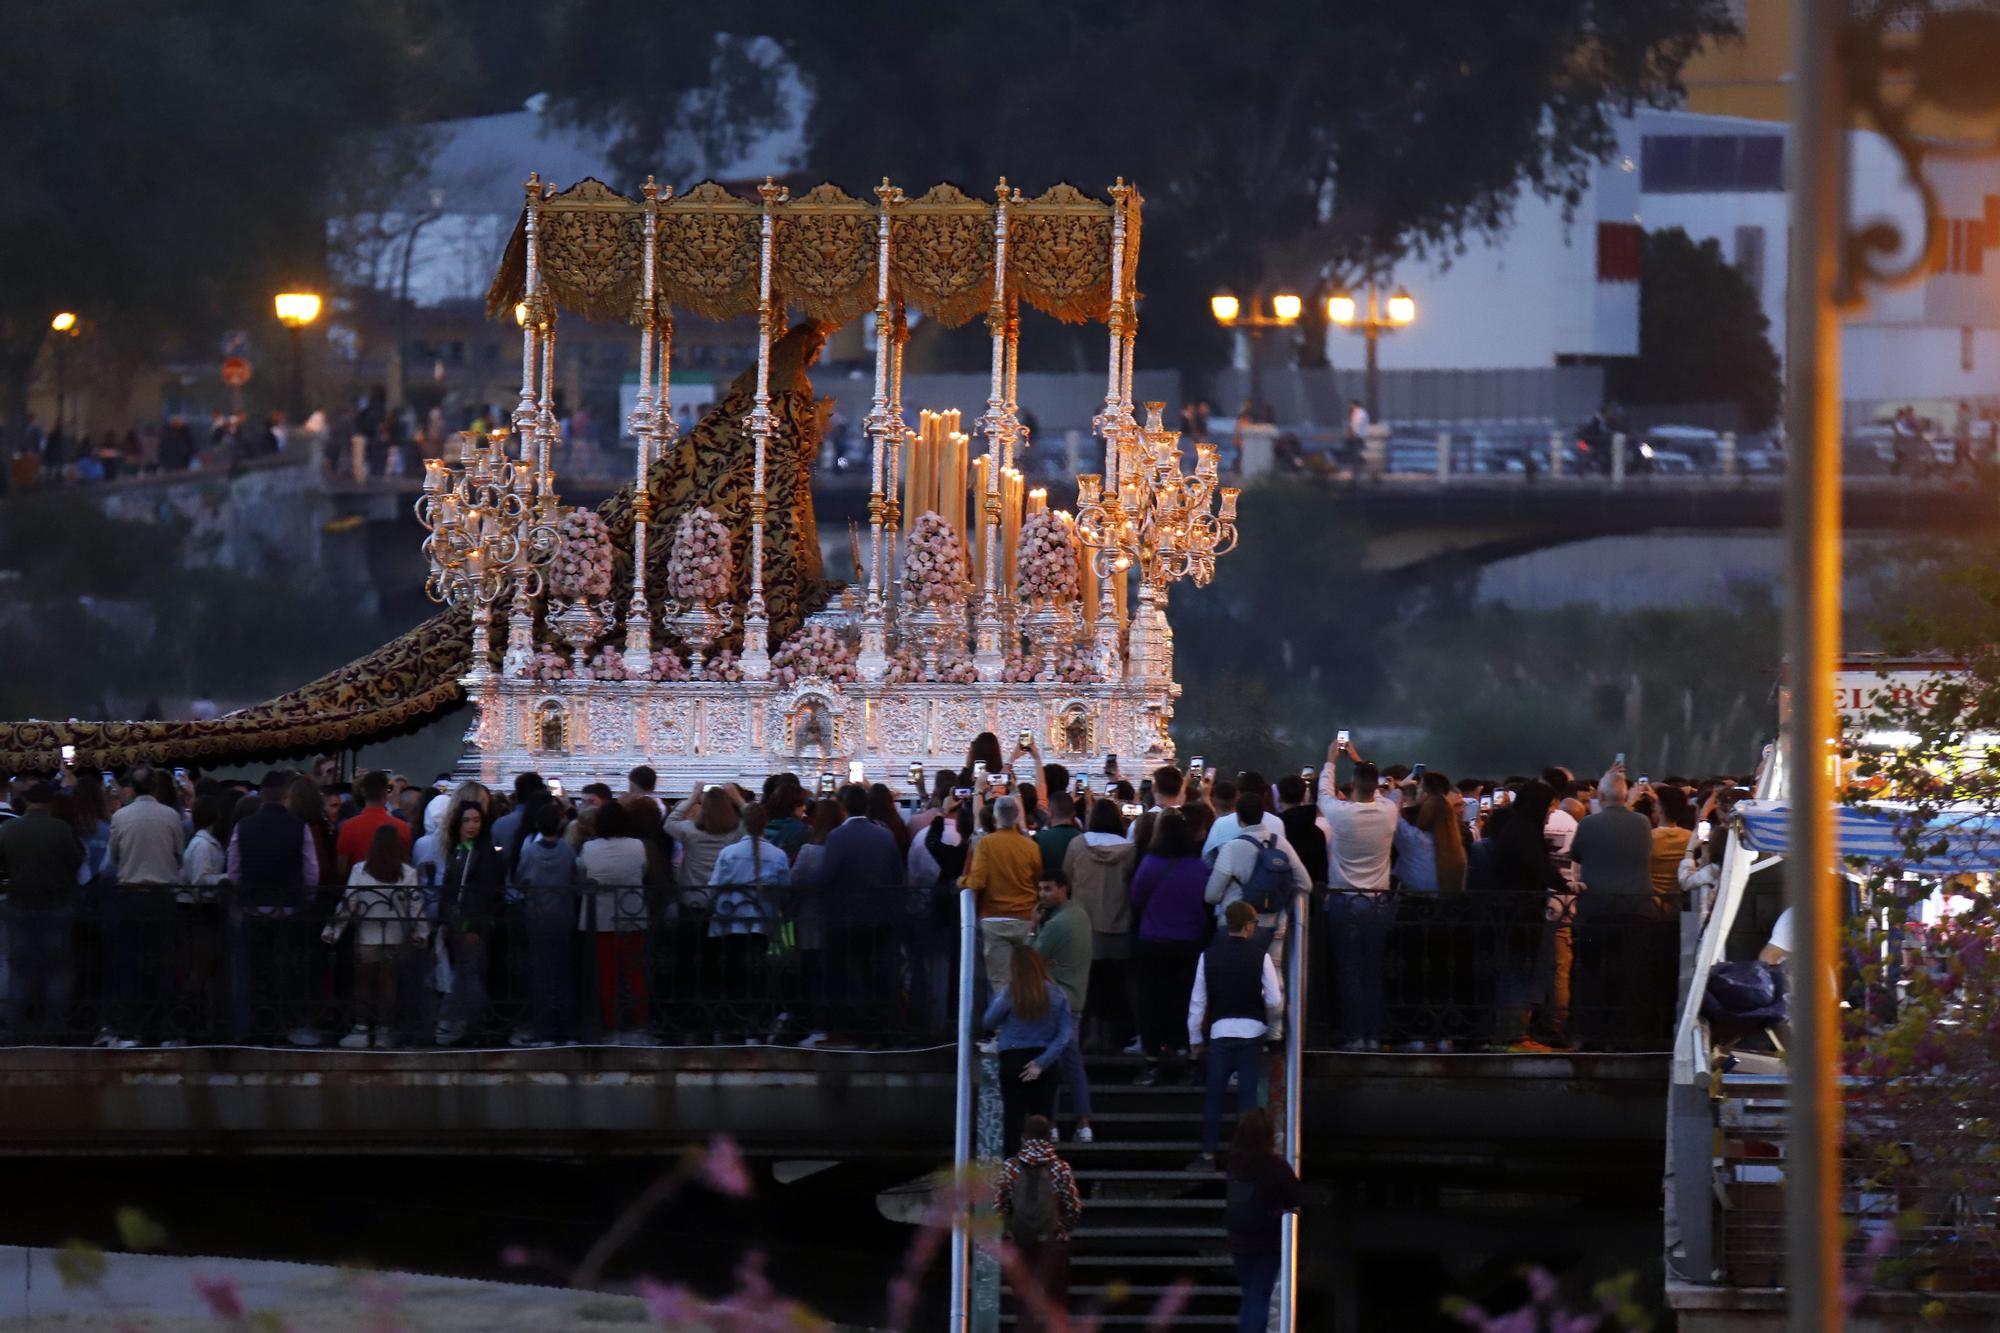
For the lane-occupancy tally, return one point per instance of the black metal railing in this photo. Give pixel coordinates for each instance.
(1474, 971)
(389, 966)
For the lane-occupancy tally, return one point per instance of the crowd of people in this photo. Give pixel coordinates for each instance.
(1531, 912)
(365, 441)
(58, 455)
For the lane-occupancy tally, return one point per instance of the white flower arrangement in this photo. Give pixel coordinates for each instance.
(582, 565)
(934, 561)
(1045, 569)
(815, 650)
(699, 564)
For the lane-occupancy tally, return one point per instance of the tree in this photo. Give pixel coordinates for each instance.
(168, 160)
(1294, 141)
(1702, 332)
(1922, 1029)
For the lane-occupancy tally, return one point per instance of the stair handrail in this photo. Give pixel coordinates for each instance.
(962, 1114)
(1295, 1040)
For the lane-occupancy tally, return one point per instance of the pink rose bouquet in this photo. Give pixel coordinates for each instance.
(699, 565)
(1045, 568)
(816, 650)
(582, 565)
(934, 561)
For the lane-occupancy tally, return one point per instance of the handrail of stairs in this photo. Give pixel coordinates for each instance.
(1295, 1038)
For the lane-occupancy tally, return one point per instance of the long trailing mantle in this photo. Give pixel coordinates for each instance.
(413, 678)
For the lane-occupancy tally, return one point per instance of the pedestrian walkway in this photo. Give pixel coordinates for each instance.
(165, 1294)
(1148, 1221)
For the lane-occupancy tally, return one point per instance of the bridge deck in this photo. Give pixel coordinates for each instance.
(593, 1101)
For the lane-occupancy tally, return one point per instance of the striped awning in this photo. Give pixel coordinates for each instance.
(1954, 841)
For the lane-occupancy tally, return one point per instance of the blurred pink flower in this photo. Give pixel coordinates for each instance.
(1168, 1308)
(723, 1169)
(670, 1306)
(221, 1296)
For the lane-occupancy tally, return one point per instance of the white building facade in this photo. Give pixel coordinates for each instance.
(1551, 290)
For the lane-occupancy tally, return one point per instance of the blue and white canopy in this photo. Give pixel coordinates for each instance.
(1971, 835)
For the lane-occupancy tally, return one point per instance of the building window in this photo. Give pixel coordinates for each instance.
(1749, 257)
(1618, 245)
(1712, 163)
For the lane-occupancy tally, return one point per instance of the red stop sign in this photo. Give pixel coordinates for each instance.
(236, 372)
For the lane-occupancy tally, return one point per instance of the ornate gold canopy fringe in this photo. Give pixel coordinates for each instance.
(941, 251)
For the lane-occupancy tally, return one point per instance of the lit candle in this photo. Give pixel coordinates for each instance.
(1086, 569)
(1118, 574)
(1010, 520)
(981, 467)
(955, 479)
(1038, 501)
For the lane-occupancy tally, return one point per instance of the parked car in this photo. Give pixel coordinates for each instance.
(1700, 446)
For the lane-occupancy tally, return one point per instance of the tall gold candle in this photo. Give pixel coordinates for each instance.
(957, 479)
(1010, 518)
(913, 469)
(981, 468)
(1038, 501)
(1118, 596)
(1086, 570)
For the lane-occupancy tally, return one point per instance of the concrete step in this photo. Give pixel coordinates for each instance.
(1178, 1234)
(1116, 1261)
(1129, 1292)
(1143, 1321)
(1151, 1173)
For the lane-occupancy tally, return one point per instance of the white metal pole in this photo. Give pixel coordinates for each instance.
(961, 1130)
(1295, 1022)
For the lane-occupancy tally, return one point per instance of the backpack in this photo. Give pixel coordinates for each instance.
(1270, 879)
(1246, 1210)
(1035, 1216)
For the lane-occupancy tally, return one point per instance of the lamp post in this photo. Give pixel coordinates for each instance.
(65, 326)
(1381, 317)
(295, 311)
(1230, 314)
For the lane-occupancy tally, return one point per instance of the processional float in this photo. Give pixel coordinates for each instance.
(980, 608)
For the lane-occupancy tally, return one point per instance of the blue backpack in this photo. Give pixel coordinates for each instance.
(1270, 882)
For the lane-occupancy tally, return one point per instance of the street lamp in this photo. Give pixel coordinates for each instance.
(295, 311)
(1381, 317)
(66, 324)
(1229, 313)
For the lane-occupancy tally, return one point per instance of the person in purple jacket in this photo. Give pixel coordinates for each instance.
(1174, 922)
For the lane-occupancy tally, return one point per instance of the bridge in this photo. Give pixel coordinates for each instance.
(1408, 521)
(1418, 1154)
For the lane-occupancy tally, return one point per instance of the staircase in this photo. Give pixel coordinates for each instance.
(1148, 1222)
